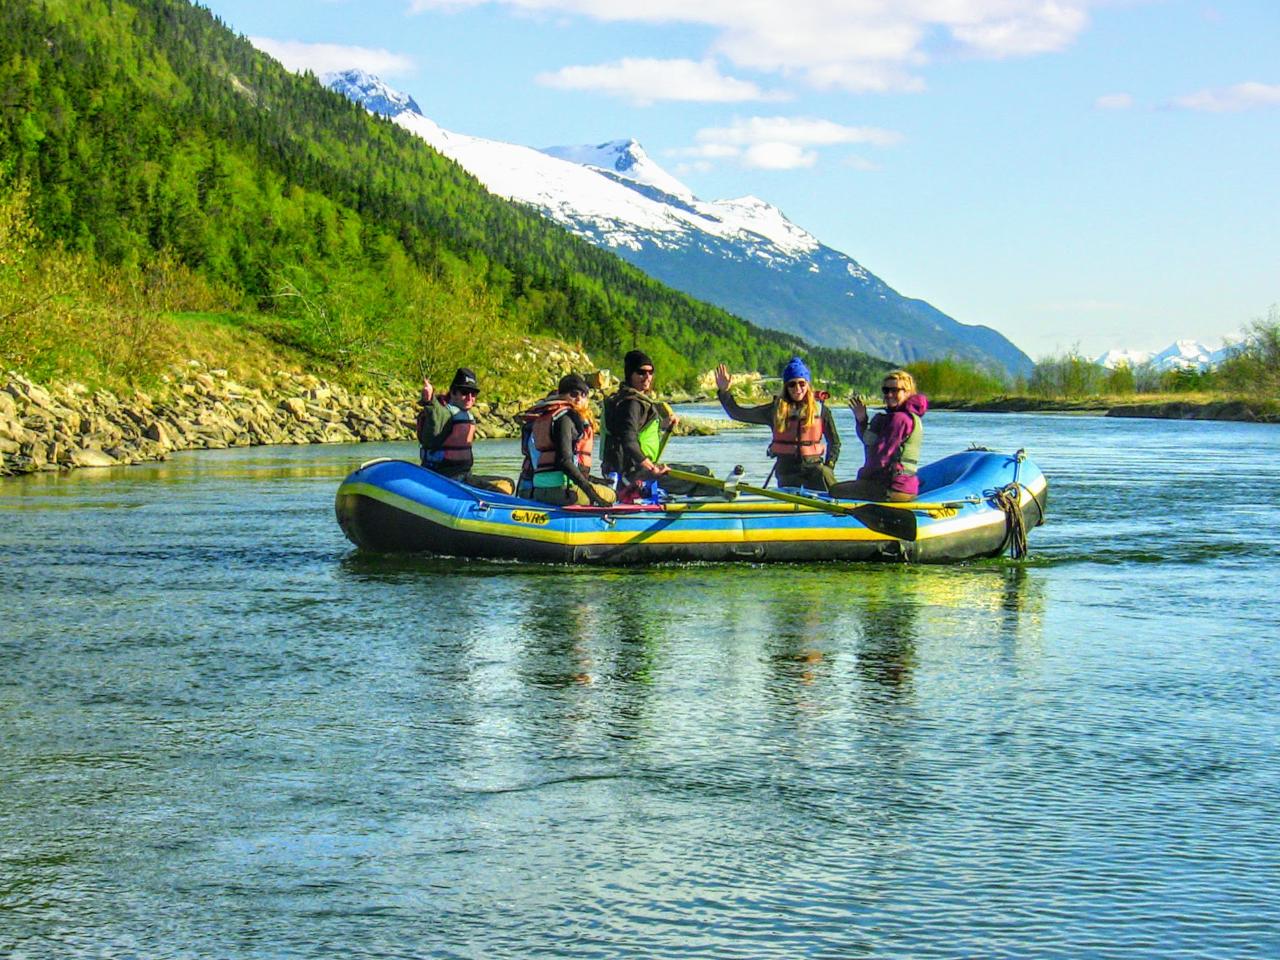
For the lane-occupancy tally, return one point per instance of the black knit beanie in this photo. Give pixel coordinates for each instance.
(634, 360)
(570, 383)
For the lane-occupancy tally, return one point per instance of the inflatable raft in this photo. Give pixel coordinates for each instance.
(972, 504)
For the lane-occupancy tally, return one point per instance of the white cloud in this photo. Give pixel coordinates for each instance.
(777, 156)
(802, 131)
(646, 81)
(855, 45)
(322, 58)
(864, 78)
(781, 143)
(1021, 29)
(1243, 96)
(1114, 101)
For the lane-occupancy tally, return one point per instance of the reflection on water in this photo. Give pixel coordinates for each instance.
(225, 733)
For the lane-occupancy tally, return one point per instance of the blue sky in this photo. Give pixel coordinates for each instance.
(1075, 173)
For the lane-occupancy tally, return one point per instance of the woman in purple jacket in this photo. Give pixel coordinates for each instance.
(892, 443)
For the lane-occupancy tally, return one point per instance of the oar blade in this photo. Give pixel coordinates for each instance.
(899, 524)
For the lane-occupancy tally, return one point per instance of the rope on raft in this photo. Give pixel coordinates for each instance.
(1009, 499)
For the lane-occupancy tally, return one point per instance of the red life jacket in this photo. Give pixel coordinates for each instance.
(795, 439)
(540, 418)
(455, 445)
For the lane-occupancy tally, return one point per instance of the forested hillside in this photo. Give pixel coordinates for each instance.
(145, 132)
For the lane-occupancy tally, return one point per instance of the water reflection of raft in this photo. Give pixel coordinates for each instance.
(972, 504)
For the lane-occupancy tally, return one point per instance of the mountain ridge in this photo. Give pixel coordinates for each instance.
(1183, 354)
(742, 254)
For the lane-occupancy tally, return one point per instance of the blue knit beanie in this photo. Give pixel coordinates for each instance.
(795, 370)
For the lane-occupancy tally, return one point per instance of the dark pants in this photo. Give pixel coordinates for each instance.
(571, 495)
(813, 475)
(868, 490)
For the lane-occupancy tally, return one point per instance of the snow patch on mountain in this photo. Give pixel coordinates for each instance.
(370, 92)
(626, 158)
(1184, 354)
(576, 196)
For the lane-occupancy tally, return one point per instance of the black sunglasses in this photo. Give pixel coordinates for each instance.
(468, 392)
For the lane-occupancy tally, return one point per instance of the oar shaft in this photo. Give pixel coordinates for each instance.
(816, 502)
(667, 412)
(900, 524)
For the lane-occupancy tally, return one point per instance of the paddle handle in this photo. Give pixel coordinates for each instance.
(667, 413)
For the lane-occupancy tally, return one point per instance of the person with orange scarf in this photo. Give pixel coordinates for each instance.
(559, 432)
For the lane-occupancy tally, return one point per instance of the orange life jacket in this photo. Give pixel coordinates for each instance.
(795, 439)
(541, 418)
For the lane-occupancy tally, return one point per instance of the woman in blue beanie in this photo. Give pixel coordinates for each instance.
(805, 441)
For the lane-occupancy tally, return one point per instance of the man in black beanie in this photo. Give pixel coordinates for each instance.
(633, 361)
(446, 428)
(634, 422)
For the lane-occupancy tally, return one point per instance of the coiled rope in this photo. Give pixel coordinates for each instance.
(1009, 499)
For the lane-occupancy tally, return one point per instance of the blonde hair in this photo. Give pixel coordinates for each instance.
(806, 409)
(583, 408)
(905, 380)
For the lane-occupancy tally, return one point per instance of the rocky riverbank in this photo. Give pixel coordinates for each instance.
(64, 425)
(61, 426)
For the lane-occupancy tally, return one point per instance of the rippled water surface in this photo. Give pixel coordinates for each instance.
(223, 733)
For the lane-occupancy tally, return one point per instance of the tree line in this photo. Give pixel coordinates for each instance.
(1251, 367)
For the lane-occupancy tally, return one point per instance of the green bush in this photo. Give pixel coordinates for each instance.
(1254, 365)
(1120, 380)
(1069, 375)
(956, 379)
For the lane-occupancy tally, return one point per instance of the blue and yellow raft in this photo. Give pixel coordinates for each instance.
(972, 504)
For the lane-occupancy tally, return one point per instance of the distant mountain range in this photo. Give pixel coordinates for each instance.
(743, 255)
(1179, 355)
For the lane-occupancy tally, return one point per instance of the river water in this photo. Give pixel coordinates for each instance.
(224, 734)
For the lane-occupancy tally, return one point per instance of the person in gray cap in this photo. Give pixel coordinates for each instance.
(559, 432)
(446, 428)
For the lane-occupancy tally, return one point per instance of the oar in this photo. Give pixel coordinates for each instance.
(899, 524)
(666, 434)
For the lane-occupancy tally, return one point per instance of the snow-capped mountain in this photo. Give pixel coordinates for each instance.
(743, 255)
(367, 90)
(1179, 355)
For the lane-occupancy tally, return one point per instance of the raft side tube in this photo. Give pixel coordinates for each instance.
(397, 506)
